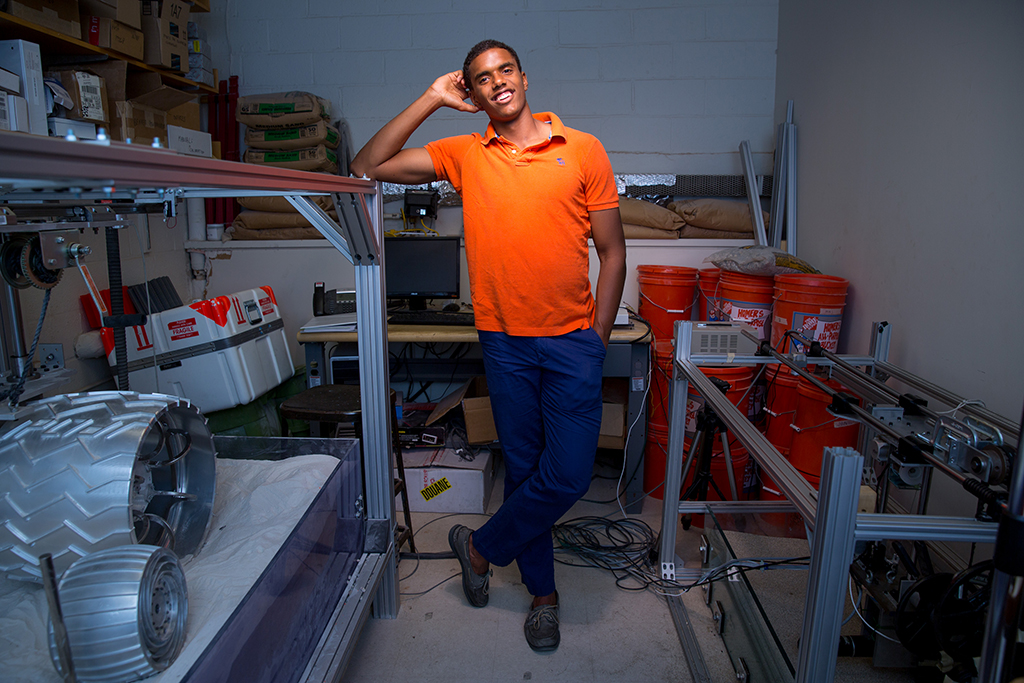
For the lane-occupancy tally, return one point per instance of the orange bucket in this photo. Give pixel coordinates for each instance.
(661, 386)
(655, 456)
(747, 299)
(738, 376)
(708, 307)
(815, 429)
(666, 295)
(810, 304)
(780, 400)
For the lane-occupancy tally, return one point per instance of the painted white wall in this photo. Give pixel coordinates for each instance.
(669, 87)
(909, 160)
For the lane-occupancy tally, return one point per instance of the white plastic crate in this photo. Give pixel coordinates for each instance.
(217, 353)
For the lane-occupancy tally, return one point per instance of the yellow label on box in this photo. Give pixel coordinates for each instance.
(436, 489)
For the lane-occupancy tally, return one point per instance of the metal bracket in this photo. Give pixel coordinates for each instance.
(705, 550)
(355, 220)
(668, 571)
(718, 616)
(708, 590)
(742, 672)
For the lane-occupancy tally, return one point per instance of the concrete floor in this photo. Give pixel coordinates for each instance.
(608, 634)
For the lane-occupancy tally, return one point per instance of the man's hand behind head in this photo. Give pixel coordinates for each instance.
(451, 89)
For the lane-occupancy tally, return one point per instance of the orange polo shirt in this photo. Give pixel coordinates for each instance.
(526, 215)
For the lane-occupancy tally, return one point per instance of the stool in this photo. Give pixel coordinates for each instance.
(340, 403)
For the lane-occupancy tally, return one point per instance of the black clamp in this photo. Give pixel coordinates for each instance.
(124, 320)
(912, 405)
(842, 405)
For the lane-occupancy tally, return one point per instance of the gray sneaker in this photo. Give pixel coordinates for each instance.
(474, 585)
(541, 628)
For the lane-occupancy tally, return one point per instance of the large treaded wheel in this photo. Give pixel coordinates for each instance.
(84, 472)
(125, 610)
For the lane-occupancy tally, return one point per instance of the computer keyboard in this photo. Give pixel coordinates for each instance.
(461, 318)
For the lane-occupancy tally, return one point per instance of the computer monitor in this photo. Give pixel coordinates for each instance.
(421, 268)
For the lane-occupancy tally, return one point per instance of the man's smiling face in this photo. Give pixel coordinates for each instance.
(497, 85)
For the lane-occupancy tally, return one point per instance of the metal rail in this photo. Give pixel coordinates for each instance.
(36, 169)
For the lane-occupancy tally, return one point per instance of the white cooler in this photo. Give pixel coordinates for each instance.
(218, 353)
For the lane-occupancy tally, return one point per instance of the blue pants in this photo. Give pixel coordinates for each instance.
(546, 399)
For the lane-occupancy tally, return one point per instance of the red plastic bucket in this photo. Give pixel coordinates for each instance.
(780, 400)
(738, 376)
(708, 307)
(814, 429)
(810, 304)
(747, 299)
(658, 409)
(655, 456)
(666, 295)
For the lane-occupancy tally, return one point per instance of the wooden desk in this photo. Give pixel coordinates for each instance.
(628, 356)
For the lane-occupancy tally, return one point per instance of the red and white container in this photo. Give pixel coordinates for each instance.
(218, 353)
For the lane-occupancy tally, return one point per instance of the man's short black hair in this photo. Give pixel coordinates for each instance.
(480, 48)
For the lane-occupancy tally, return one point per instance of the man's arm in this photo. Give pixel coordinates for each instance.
(382, 158)
(606, 230)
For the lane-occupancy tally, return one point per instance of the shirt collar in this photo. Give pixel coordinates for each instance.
(557, 129)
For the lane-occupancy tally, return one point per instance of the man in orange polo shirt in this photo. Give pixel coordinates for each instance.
(534, 192)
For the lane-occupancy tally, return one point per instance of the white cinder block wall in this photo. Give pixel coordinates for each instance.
(668, 86)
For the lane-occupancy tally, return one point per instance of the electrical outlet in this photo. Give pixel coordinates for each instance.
(51, 357)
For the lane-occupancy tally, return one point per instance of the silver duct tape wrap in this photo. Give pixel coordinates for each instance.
(629, 184)
(125, 610)
(643, 180)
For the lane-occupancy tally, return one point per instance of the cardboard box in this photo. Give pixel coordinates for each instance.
(139, 124)
(164, 24)
(113, 35)
(147, 89)
(185, 115)
(58, 15)
(613, 426)
(202, 76)
(22, 58)
(125, 11)
(88, 93)
(442, 481)
(191, 142)
(472, 398)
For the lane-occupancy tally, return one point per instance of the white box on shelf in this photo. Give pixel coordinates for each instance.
(22, 58)
(10, 81)
(59, 127)
(218, 353)
(17, 110)
(187, 141)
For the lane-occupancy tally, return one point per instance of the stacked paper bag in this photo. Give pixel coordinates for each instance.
(288, 130)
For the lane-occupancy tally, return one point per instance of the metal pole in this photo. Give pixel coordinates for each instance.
(753, 196)
(15, 354)
(728, 466)
(778, 205)
(791, 188)
(674, 461)
(831, 555)
(1005, 601)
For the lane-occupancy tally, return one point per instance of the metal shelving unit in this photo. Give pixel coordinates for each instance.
(120, 178)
